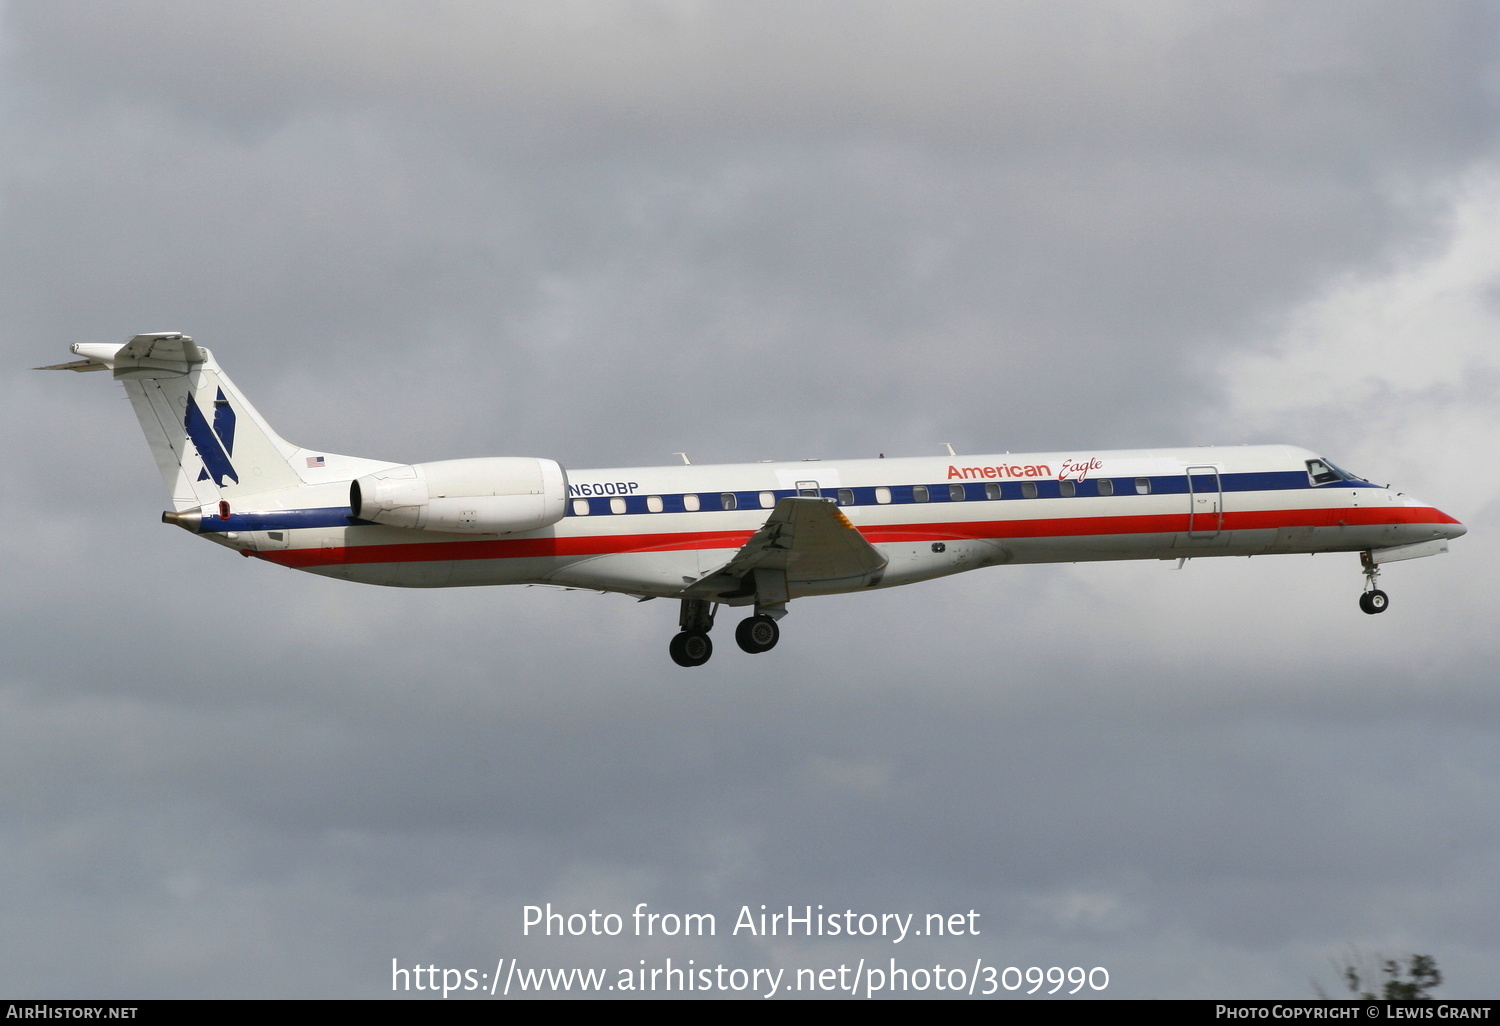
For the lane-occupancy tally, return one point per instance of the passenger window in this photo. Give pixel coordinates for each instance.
(580, 507)
(617, 505)
(992, 491)
(1143, 486)
(846, 496)
(1028, 489)
(956, 493)
(653, 503)
(919, 493)
(727, 500)
(690, 503)
(1106, 486)
(1067, 488)
(767, 500)
(882, 494)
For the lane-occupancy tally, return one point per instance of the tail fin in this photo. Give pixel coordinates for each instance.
(209, 442)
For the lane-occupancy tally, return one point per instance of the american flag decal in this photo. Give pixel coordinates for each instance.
(315, 461)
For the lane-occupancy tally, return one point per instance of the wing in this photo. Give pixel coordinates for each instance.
(809, 540)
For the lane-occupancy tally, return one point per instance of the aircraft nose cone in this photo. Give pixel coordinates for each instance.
(1443, 526)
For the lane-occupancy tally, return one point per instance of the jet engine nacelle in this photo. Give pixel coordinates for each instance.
(500, 495)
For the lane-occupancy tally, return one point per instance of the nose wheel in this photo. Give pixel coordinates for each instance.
(1373, 600)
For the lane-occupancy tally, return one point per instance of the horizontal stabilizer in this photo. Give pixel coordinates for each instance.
(159, 354)
(76, 365)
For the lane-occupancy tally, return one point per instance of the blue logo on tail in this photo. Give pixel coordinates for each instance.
(214, 443)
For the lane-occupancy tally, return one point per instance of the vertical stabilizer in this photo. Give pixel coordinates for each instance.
(209, 443)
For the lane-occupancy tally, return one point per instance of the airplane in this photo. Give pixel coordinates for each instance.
(753, 535)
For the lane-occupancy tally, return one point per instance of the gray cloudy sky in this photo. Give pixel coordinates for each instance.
(606, 232)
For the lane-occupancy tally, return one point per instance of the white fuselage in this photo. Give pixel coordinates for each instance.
(650, 531)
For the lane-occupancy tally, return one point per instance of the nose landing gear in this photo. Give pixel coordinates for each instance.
(1373, 600)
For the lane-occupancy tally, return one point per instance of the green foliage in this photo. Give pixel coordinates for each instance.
(1411, 982)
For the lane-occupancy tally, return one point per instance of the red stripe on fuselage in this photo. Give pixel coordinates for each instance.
(507, 548)
(990, 530)
(1158, 523)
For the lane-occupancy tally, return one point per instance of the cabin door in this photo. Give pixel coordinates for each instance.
(1205, 502)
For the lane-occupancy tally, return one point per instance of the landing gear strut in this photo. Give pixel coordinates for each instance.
(691, 646)
(1373, 600)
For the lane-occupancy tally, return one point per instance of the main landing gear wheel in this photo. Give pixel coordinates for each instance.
(1374, 601)
(691, 648)
(757, 634)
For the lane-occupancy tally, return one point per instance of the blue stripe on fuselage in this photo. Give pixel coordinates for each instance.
(974, 491)
(712, 502)
(283, 520)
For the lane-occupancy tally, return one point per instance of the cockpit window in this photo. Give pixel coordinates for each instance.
(1323, 472)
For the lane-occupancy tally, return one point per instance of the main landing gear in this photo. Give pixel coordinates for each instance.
(1373, 600)
(759, 633)
(691, 648)
(691, 645)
